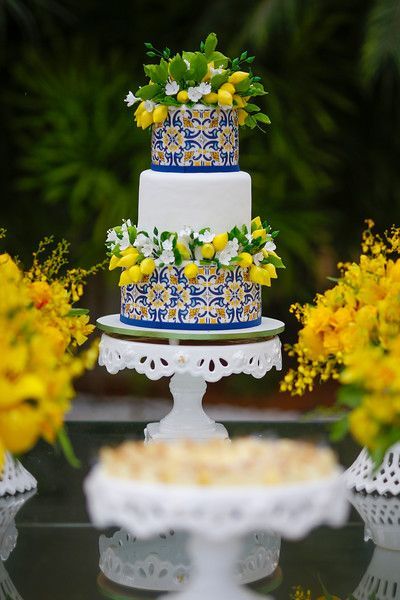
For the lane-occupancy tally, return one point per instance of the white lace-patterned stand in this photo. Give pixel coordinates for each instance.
(161, 563)
(381, 516)
(15, 478)
(362, 476)
(216, 518)
(192, 359)
(9, 506)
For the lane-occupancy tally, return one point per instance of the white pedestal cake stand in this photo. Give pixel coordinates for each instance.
(14, 477)
(216, 518)
(191, 359)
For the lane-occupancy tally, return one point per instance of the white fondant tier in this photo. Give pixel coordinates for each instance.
(171, 201)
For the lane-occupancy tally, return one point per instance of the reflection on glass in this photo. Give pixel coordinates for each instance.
(162, 563)
(9, 506)
(381, 516)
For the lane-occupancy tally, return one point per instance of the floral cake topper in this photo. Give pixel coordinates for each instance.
(205, 77)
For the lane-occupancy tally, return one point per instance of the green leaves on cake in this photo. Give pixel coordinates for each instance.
(139, 253)
(205, 77)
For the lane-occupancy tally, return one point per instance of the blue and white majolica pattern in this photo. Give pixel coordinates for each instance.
(215, 299)
(196, 139)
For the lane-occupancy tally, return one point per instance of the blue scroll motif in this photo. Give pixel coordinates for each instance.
(190, 138)
(215, 299)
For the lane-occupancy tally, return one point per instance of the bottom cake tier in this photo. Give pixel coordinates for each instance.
(216, 298)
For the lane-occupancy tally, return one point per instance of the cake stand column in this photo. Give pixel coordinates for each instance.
(213, 574)
(187, 418)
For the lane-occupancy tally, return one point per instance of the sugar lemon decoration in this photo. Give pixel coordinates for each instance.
(245, 260)
(207, 250)
(147, 266)
(191, 270)
(220, 241)
(160, 113)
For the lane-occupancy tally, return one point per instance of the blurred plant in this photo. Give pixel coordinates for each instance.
(381, 49)
(40, 333)
(76, 150)
(352, 334)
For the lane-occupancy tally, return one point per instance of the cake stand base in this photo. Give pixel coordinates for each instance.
(154, 433)
(14, 478)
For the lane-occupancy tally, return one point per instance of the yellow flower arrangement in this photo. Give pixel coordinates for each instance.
(39, 334)
(352, 334)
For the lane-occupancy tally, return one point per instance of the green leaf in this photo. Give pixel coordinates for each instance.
(262, 118)
(250, 122)
(147, 92)
(243, 86)
(219, 59)
(252, 108)
(178, 257)
(218, 80)
(178, 68)
(209, 45)
(157, 73)
(256, 89)
(276, 261)
(77, 312)
(66, 447)
(350, 395)
(198, 67)
(339, 429)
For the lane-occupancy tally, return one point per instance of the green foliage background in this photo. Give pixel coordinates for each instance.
(70, 156)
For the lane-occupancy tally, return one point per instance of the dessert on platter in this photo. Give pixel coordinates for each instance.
(243, 462)
(196, 259)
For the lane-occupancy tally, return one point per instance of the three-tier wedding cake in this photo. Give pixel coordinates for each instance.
(196, 259)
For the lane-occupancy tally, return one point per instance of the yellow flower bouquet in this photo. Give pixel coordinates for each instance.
(351, 333)
(40, 332)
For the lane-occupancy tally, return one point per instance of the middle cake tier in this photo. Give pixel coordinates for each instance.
(172, 201)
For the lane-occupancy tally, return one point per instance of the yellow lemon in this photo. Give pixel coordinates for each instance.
(183, 251)
(207, 251)
(139, 120)
(256, 223)
(114, 260)
(228, 87)
(20, 428)
(224, 98)
(135, 274)
(207, 76)
(242, 116)
(147, 266)
(220, 241)
(146, 119)
(245, 260)
(124, 278)
(211, 98)
(128, 260)
(237, 77)
(129, 250)
(140, 108)
(259, 233)
(191, 270)
(160, 113)
(239, 101)
(182, 96)
(270, 269)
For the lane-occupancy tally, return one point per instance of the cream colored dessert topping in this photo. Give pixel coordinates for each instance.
(244, 462)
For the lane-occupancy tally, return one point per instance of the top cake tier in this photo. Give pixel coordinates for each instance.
(198, 139)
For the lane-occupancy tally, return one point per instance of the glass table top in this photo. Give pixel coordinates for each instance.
(56, 555)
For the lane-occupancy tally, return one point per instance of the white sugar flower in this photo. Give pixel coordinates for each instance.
(124, 242)
(215, 71)
(147, 248)
(167, 245)
(184, 235)
(206, 237)
(130, 99)
(231, 249)
(187, 63)
(257, 258)
(125, 225)
(270, 246)
(171, 88)
(141, 240)
(167, 257)
(195, 93)
(149, 105)
(249, 237)
(112, 237)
